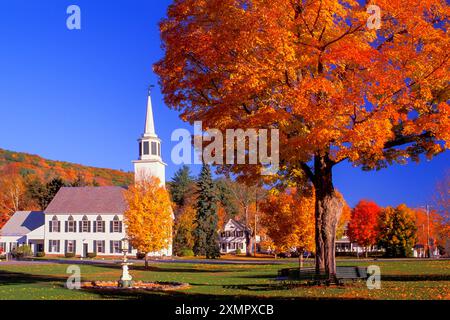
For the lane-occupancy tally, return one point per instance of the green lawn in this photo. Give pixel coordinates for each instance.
(400, 280)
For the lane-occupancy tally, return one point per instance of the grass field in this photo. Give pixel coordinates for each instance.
(400, 280)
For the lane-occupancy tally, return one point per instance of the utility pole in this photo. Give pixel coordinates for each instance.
(428, 230)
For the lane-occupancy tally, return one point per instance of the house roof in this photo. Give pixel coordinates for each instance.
(22, 223)
(237, 224)
(88, 200)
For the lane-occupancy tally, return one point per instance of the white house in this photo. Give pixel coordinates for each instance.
(232, 237)
(24, 227)
(87, 219)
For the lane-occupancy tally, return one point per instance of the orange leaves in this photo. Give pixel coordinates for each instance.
(362, 227)
(289, 219)
(149, 216)
(332, 85)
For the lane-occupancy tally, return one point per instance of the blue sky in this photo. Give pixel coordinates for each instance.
(80, 95)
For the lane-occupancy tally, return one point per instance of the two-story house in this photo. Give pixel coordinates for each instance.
(232, 238)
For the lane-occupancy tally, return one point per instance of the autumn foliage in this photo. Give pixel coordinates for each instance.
(336, 89)
(148, 217)
(363, 225)
(289, 220)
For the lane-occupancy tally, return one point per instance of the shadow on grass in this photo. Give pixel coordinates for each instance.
(169, 269)
(415, 277)
(15, 278)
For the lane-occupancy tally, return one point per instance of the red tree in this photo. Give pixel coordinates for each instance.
(362, 227)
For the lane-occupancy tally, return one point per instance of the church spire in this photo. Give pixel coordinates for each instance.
(149, 123)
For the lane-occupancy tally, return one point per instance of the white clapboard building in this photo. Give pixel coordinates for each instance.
(83, 220)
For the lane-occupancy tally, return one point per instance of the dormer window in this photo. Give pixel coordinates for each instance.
(54, 225)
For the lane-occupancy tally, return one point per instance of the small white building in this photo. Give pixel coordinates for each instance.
(24, 227)
(232, 238)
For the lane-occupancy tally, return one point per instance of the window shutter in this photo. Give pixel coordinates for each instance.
(111, 249)
(49, 245)
(57, 246)
(74, 226)
(89, 226)
(59, 226)
(66, 228)
(130, 248)
(111, 230)
(50, 226)
(75, 246)
(81, 226)
(95, 246)
(65, 246)
(103, 226)
(120, 226)
(95, 226)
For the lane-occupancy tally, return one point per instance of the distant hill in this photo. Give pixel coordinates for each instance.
(28, 164)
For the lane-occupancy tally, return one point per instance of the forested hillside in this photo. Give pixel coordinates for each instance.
(27, 164)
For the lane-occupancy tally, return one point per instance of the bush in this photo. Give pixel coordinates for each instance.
(40, 254)
(22, 252)
(70, 255)
(238, 251)
(2, 256)
(186, 253)
(140, 255)
(91, 255)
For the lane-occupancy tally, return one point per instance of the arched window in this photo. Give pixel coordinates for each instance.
(116, 225)
(55, 225)
(99, 224)
(71, 225)
(85, 224)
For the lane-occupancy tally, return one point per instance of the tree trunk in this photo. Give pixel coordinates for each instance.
(146, 261)
(248, 243)
(328, 209)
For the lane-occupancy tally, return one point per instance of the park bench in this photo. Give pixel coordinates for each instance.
(309, 274)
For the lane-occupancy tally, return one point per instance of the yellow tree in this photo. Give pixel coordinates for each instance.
(148, 217)
(337, 88)
(289, 220)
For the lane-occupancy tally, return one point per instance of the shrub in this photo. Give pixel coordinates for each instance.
(70, 255)
(2, 256)
(186, 253)
(22, 251)
(40, 254)
(91, 255)
(140, 255)
(238, 251)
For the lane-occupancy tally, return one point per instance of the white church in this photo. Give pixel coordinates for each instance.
(83, 220)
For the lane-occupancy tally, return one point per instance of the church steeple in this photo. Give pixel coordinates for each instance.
(149, 122)
(150, 162)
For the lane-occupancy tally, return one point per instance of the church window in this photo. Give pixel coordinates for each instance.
(116, 225)
(54, 225)
(85, 225)
(159, 149)
(146, 148)
(154, 148)
(71, 225)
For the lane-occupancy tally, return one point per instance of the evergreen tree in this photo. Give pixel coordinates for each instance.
(206, 240)
(180, 185)
(51, 189)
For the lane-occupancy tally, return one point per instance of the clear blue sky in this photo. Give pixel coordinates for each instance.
(80, 95)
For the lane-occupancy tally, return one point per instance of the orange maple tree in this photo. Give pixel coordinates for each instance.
(363, 225)
(336, 89)
(148, 217)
